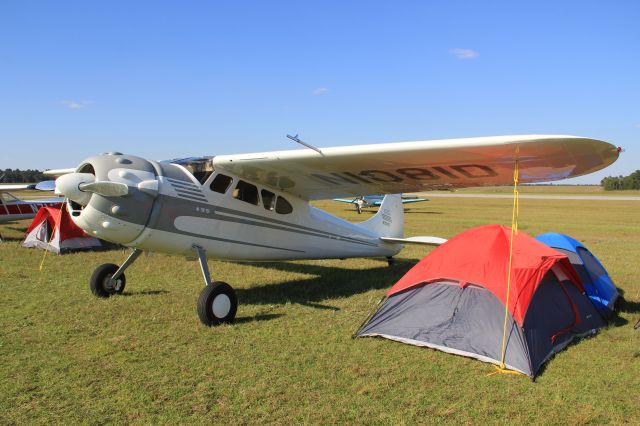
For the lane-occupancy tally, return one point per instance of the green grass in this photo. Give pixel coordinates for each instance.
(550, 190)
(67, 357)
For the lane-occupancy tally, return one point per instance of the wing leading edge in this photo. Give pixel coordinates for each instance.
(420, 166)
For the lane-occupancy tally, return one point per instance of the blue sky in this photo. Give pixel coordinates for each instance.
(175, 79)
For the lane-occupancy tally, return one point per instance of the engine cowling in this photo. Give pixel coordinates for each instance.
(111, 196)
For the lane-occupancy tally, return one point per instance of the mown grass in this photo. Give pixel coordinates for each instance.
(67, 357)
(550, 190)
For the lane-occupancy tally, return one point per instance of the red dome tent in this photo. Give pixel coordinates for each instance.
(454, 300)
(52, 229)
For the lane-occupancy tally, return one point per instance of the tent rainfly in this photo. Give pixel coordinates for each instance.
(454, 300)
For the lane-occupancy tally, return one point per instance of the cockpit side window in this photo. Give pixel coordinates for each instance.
(268, 199)
(246, 192)
(220, 183)
(200, 167)
(283, 206)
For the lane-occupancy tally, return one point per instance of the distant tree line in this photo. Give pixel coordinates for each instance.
(21, 176)
(632, 181)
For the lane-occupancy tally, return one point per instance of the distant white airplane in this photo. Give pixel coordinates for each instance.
(256, 206)
(13, 208)
(366, 201)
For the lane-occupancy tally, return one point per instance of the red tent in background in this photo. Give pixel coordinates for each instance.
(454, 300)
(52, 229)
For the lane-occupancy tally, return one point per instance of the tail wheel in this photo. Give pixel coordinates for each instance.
(100, 281)
(217, 304)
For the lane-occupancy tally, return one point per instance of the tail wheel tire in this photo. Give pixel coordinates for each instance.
(217, 304)
(99, 282)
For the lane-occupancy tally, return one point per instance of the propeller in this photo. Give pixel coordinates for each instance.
(46, 185)
(105, 188)
(79, 187)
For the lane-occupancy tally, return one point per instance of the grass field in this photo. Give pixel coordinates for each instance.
(67, 357)
(550, 190)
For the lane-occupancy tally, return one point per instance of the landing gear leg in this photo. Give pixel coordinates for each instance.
(391, 261)
(217, 303)
(109, 279)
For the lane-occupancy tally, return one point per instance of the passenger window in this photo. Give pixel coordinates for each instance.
(268, 199)
(283, 206)
(220, 183)
(246, 192)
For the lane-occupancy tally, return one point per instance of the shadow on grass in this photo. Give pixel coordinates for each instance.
(259, 317)
(627, 306)
(144, 293)
(328, 282)
(8, 239)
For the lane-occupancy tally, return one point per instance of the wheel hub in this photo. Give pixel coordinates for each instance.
(221, 305)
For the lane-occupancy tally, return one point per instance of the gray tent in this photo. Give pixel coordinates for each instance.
(454, 300)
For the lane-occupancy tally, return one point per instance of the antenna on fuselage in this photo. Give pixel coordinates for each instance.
(301, 142)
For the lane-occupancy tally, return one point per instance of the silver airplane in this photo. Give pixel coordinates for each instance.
(257, 206)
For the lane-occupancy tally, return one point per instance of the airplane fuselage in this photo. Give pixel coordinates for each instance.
(168, 210)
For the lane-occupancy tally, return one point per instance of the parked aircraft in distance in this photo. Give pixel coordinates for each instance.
(13, 208)
(366, 201)
(256, 206)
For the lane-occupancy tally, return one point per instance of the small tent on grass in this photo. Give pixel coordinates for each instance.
(454, 300)
(598, 285)
(55, 222)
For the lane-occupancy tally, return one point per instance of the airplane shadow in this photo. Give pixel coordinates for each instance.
(259, 317)
(327, 283)
(144, 293)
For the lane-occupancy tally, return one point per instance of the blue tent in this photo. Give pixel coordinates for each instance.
(597, 283)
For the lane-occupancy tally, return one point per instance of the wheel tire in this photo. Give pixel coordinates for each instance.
(217, 304)
(100, 279)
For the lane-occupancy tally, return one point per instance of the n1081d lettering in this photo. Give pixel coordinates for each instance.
(460, 171)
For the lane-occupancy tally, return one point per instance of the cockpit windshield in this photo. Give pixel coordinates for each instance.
(200, 167)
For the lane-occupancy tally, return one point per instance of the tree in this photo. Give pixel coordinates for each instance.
(612, 183)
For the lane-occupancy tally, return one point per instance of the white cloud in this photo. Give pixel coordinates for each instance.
(320, 91)
(464, 53)
(71, 104)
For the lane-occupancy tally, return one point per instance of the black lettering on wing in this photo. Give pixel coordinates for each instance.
(475, 171)
(418, 173)
(380, 176)
(334, 179)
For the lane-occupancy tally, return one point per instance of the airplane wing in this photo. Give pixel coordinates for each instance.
(413, 200)
(47, 185)
(16, 187)
(55, 173)
(342, 200)
(393, 168)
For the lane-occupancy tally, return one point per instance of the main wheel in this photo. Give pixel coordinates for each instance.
(99, 282)
(217, 304)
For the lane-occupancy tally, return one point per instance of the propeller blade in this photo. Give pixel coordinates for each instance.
(47, 185)
(106, 189)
